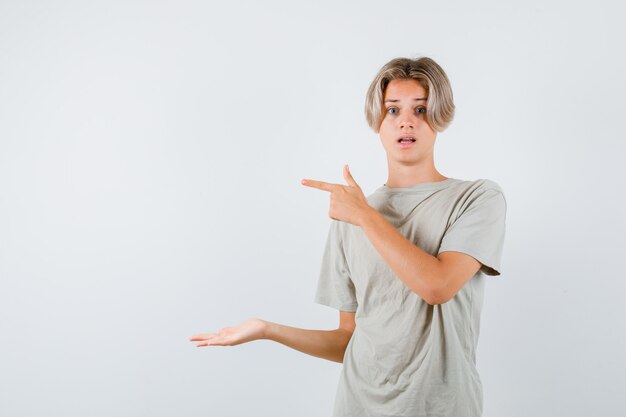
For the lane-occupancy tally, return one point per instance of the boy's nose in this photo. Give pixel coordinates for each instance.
(407, 123)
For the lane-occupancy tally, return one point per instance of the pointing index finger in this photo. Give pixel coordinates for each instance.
(320, 185)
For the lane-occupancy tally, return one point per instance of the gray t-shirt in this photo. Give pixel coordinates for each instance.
(406, 357)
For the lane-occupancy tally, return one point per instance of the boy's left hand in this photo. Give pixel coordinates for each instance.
(347, 202)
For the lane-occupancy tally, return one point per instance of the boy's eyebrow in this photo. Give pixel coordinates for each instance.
(416, 99)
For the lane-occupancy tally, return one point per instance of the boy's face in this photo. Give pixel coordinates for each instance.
(404, 133)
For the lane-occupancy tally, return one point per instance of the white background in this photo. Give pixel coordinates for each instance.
(150, 159)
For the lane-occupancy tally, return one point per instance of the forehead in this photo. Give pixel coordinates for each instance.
(403, 89)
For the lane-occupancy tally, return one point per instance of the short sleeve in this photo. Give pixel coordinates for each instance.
(335, 288)
(479, 228)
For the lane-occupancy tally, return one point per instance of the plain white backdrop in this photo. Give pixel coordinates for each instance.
(150, 159)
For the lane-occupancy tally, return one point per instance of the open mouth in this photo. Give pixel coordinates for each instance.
(406, 139)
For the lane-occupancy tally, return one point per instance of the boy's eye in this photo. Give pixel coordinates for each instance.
(392, 110)
(420, 110)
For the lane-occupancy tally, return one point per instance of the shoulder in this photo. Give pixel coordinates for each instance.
(489, 185)
(480, 194)
(481, 188)
(480, 185)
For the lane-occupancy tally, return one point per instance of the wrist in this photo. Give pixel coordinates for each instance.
(268, 329)
(368, 217)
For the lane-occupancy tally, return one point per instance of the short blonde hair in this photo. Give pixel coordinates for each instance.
(439, 105)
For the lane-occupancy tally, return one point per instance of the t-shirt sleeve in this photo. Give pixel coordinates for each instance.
(335, 288)
(479, 228)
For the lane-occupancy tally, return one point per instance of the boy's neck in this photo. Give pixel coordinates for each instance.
(402, 176)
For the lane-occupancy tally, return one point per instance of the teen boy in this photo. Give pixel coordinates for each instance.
(405, 266)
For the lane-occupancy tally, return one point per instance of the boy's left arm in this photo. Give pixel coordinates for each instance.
(436, 279)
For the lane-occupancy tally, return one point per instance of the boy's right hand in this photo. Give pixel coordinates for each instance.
(247, 331)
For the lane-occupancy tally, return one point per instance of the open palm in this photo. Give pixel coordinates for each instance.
(247, 331)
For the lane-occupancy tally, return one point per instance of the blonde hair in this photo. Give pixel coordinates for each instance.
(439, 105)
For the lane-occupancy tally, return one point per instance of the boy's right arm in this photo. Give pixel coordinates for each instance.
(326, 344)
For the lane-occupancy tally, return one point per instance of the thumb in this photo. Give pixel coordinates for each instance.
(348, 176)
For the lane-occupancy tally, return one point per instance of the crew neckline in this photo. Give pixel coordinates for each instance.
(434, 185)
